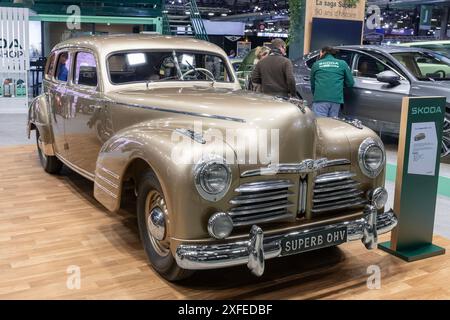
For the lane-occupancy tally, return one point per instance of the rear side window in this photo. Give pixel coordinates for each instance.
(347, 56)
(63, 66)
(50, 67)
(85, 69)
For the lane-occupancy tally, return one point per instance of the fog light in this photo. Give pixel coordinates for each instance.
(220, 225)
(378, 197)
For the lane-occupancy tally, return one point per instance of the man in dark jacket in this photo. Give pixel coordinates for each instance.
(275, 72)
(329, 76)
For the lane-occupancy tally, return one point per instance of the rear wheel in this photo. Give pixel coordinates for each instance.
(51, 164)
(152, 217)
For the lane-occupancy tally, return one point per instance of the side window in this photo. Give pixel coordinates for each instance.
(347, 56)
(63, 68)
(369, 67)
(85, 69)
(50, 67)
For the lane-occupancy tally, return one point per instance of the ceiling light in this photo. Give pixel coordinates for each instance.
(210, 14)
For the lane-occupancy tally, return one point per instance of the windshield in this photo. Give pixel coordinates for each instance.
(156, 66)
(425, 66)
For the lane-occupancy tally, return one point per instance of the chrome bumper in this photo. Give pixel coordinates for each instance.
(258, 248)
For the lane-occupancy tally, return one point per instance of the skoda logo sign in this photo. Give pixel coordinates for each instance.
(426, 110)
(10, 49)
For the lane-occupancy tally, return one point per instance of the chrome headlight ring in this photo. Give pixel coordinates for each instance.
(202, 178)
(374, 147)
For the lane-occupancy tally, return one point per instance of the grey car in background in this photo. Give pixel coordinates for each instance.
(383, 76)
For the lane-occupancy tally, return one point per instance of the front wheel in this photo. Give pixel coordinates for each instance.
(152, 221)
(51, 164)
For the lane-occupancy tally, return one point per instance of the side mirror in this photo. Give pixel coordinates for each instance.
(389, 77)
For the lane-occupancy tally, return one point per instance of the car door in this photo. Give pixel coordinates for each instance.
(87, 124)
(56, 86)
(303, 76)
(376, 104)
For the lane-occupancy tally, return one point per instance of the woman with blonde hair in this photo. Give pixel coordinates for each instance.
(260, 53)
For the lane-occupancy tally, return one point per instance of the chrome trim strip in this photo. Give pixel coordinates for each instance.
(338, 193)
(105, 190)
(302, 192)
(242, 211)
(112, 174)
(255, 198)
(263, 218)
(350, 184)
(337, 205)
(188, 113)
(338, 162)
(304, 195)
(334, 176)
(300, 196)
(75, 168)
(264, 185)
(221, 255)
(306, 166)
(112, 184)
(344, 195)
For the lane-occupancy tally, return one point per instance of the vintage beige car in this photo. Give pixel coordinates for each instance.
(114, 109)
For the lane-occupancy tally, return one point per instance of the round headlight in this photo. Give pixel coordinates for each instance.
(371, 157)
(212, 179)
(220, 225)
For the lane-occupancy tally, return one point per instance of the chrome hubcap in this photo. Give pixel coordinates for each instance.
(155, 218)
(446, 138)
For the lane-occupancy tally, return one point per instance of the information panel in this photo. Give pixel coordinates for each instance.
(417, 178)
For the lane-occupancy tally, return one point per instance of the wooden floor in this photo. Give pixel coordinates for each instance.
(48, 223)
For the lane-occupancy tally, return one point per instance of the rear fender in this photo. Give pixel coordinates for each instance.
(39, 119)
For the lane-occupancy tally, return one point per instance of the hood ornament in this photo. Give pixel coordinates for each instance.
(306, 166)
(353, 122)
(301, 104)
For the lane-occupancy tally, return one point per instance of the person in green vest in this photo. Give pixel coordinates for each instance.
(329, 76)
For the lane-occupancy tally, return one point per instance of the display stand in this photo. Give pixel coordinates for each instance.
(417, 179)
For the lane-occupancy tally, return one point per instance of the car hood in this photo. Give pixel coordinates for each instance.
(436, 88)
(232, 111)
(219, 102)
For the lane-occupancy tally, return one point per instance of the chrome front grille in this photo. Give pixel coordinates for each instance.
(262, 201)
(336, 191)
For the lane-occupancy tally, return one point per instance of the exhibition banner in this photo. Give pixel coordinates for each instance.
(333, 10)
(417, 178)
(14, 56)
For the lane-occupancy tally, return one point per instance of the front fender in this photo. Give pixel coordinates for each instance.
(39, 118)
(339, 140)
(188, 211)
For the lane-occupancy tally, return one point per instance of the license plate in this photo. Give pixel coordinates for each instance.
(302, 242)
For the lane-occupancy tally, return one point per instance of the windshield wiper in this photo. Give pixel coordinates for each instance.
(162, 80)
